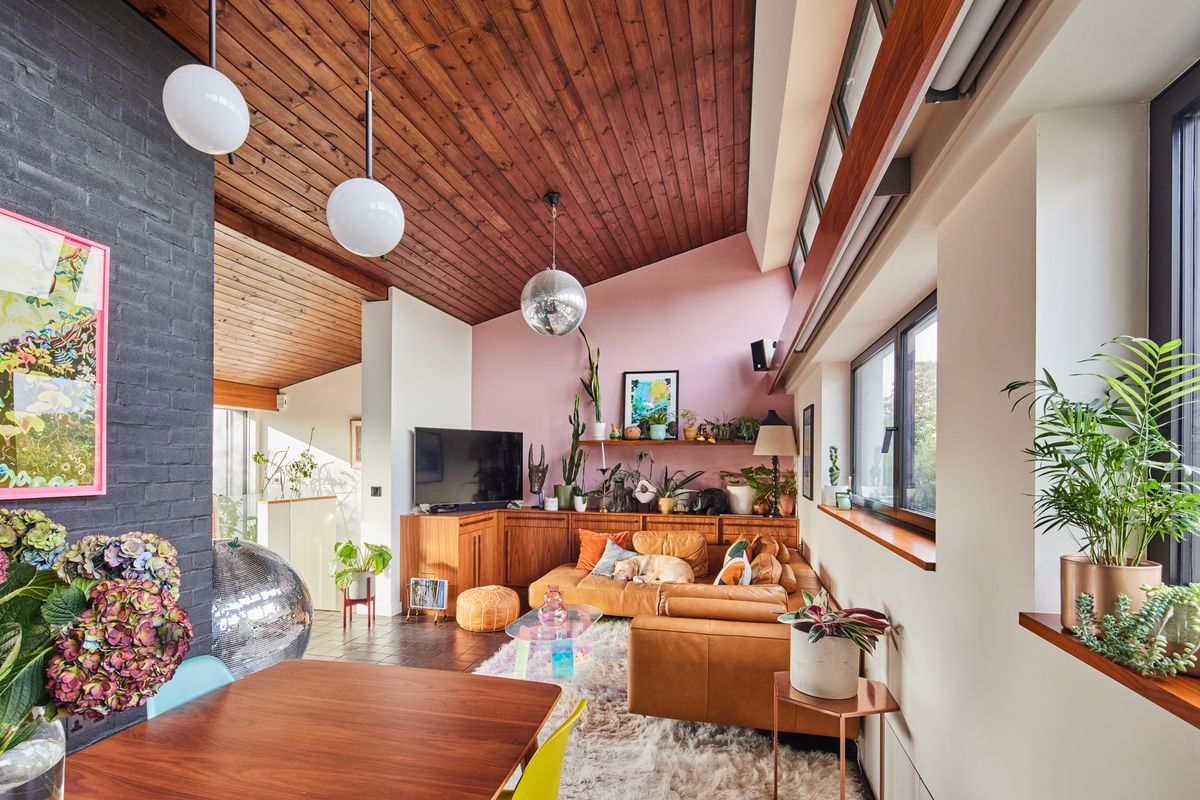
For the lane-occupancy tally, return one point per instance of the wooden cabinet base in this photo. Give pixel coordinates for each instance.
(514, 547)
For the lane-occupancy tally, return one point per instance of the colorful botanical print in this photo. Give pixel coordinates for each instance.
(648, 392)
(51, 360)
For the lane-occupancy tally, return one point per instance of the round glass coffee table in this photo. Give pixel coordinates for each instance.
(552, 650)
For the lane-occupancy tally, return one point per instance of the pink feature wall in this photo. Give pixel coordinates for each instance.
(696, 312)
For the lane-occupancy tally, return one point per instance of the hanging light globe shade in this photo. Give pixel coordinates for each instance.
(365, 217)
(553, 303)
(206, 110)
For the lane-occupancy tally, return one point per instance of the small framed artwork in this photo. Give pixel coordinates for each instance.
(806, 452)
(648, 392)
(356, 444)
(426, 594)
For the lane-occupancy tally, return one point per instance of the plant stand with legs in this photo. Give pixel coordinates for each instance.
(369, 601)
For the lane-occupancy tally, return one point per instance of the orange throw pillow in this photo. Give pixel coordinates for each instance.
(591, 546)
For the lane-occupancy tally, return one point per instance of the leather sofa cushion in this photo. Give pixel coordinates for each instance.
(688, 545)
(592, 543)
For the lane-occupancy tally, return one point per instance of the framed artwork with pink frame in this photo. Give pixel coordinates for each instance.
(53, 361)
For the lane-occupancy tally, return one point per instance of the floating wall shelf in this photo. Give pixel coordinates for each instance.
(661, 442)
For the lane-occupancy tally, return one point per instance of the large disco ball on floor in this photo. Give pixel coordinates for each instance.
(262, 612)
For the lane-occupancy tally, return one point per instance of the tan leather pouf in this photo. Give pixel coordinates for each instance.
(487, 608)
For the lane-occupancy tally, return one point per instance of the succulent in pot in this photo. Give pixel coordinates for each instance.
(658, 420)
(1110, 476)
(825, 645)
(690, 431)
(1158, 640)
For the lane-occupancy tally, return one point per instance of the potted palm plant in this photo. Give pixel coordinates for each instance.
(591, 386)
(1111, 476)
(825, 643)
(351, 566)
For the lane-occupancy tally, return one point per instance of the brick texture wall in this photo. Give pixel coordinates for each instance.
(84, 146)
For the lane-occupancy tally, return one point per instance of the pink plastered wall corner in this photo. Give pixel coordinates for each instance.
(696, 312)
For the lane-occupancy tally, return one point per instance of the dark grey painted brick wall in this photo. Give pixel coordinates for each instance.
(84, 146)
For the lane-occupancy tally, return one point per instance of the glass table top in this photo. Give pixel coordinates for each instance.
(579, 619)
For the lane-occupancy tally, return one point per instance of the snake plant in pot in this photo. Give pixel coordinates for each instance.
(826, 643)
(351, 566)
(1107, 472)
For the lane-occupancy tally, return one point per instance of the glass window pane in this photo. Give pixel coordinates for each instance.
(797, 263)
(870, 37)
(812, 218)
(920, 359)
(831, 157)
(874, 402)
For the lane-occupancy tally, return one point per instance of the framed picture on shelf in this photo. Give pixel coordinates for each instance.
(53, 360)
(648, 392)
(356, 444)
(806, 452)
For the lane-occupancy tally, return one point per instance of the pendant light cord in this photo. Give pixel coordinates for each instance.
(553, 236)
(370, 111)
(212, 33)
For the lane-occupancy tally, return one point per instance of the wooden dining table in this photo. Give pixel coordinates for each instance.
(325, 729)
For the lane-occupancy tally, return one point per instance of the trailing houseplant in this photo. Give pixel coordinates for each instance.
(1111, 476)
(86, 629)
(825, 643)
(591, 386)
(759, 479)
(748, 427)
(351, 565)
(1139, 639)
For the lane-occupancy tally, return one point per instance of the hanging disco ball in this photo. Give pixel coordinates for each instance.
(553, 303)
(262, 612)
(205, 109)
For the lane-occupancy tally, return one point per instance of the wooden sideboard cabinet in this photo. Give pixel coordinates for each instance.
(514, 547)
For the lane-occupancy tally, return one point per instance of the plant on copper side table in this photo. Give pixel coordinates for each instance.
(825, 645)
(1112, 478)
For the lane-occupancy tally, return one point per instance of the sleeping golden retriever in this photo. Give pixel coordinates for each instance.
(653, 569)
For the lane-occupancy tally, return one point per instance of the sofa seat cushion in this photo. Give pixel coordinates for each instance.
(691, 546)
(614, 598)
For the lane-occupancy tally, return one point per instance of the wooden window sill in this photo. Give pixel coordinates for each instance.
(909, 545)
(1179, 695)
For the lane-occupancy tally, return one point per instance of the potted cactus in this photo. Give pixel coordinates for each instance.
(825, 645)
(572, 463)
(830, 491)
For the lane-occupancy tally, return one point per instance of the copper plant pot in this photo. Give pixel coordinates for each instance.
(666, 505)
(1105, 584)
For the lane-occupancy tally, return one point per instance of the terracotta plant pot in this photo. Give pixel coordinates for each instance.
(632, 432)
(787, 505)
(762, 507)
(666, 505)
(1105, 584)
(690, 434)
(827, 668)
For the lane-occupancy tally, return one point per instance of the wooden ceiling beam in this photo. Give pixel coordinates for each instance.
(244, 395)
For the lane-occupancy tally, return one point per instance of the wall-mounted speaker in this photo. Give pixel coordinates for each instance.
(763, 351)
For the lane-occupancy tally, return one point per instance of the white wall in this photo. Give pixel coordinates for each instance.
(322, 407)
(416, 372)
(1036, 265)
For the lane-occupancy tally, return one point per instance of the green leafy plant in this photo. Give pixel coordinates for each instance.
(573, 461)
(748, 427)
(278, 467)
(1110, 471)
(863, 626)
(723, 429)
(658, 417)
(348, 560)
(759, 478)
(672, 485)
(689, 417)
(591, 384)
(1135, 639)
(835, 469)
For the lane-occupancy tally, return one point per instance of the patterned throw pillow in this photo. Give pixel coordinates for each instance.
(592, 544)
(613, 553)
(736, 571)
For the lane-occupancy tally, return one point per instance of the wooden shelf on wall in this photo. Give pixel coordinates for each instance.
(1179, 695)
(661, 442)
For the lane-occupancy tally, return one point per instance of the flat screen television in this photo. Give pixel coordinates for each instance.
(458, 468)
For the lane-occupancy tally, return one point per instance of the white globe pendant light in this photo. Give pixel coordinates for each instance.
(363, 214)
(203, 106)
(553, 302)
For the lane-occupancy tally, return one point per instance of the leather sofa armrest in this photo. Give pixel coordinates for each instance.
(680, 595)
(716, 608)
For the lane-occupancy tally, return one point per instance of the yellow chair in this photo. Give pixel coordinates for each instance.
(541, 776)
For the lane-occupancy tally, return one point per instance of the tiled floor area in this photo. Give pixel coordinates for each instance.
(392, 641)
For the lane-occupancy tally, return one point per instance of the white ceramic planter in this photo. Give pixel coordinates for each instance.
(828, 668)
(358, 587)
(581, 502)
(599, 431)
(741, 499)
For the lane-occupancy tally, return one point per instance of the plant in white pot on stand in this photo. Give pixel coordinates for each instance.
(1111, 477)
(829, 493)
(591, 386)
(826, 643)
(351, 566)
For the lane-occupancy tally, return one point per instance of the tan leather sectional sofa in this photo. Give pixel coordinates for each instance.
(697, 651)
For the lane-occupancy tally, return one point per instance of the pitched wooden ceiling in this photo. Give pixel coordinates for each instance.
(637, 111)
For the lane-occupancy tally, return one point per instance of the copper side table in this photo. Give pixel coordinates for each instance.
(873, 698)
(368, 601)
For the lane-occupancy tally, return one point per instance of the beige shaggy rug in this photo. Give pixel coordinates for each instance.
(615, 755)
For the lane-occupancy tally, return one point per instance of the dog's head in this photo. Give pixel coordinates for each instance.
(625, 570)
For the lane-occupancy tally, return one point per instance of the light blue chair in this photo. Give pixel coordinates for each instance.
(195, 677)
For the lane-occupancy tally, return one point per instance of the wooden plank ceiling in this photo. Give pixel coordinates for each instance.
(637, 111)
(278, 320)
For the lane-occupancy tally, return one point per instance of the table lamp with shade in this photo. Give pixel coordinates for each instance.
(775, 438)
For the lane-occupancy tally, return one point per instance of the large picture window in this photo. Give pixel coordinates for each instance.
(1174, 267)
(894, 385)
